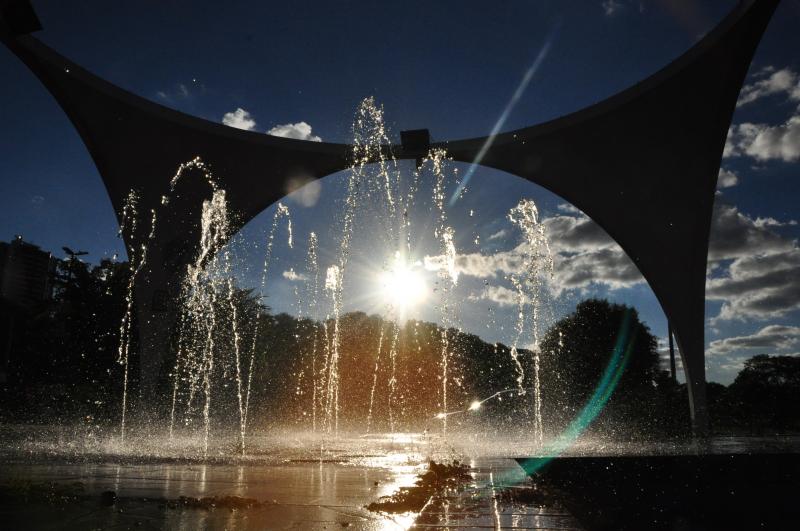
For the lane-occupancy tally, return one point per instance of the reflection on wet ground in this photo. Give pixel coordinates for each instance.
(290, 496)
(492, 503)
(293, 489)
(60, 480)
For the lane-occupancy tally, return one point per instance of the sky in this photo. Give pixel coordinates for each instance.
(456, 68)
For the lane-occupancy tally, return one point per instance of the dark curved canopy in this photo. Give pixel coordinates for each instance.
(643, 164)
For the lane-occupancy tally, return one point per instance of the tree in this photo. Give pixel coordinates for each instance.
(766, 392)
(65, 360)
(575, 352)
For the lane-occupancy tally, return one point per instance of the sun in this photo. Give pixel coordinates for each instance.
(402, 286)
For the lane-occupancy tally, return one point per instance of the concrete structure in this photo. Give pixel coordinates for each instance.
(643, 164)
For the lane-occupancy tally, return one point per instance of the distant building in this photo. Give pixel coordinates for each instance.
(26, 273)
(26, 280)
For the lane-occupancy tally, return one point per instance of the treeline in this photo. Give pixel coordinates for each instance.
(389, 377)
(62, 353)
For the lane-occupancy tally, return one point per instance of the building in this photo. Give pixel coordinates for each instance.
(26, 281)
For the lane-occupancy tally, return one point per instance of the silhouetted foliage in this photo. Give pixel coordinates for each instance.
(64, 366)
(766, 393)
(574, 354)
(63, 359)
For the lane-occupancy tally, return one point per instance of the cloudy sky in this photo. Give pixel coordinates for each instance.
(452, 67)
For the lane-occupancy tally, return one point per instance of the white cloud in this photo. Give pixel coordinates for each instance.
(611, 6)
(784, 81)
(481, 265)
(292, 276)
(240, 119)
(570, 234)
(570, 209)
(500, 295)
(736, 235)
(773, 337)
(727, 179)
(298, 131)
(763, 277)
(755, 270)
(765, 142)
(583, 255)
(611, 268)
(772, 222)
(758, 287)
(502, 233)
(177, 91)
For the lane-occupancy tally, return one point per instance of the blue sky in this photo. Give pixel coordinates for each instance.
(450, 67)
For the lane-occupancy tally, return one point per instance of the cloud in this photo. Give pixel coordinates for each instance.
(500, 295)
(755, 270)
(576, 234)
(784, 81)
(608, 267)
(298, 131)
(763, 277)
(292, 276)
(773, 337)
(583, 255)
(772, 222)
(570, 209)
(765, 142)
(727, 179)
(758, 287)
(611, 6)
(178, 91)
(481, 265)
(240, 119)
(736, 235)
(37, 200)
(502, 233)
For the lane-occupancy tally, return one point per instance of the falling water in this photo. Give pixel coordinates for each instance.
(281, 211)
(333, 286)
(374, 175)
(203, 287)
(393, 375)
(209, 301)
(537, 262)
(136, 260)
(209, 294)
(312, 294)
(183, 369)
(375, 375)
(447, 272)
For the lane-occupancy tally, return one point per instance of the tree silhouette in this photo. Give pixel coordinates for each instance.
(574, 354)
(765, 394)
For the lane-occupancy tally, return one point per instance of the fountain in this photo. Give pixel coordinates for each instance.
(388, 391)
(331, 384)
(218, 344)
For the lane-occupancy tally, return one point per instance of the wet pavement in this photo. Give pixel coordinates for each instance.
(56, 479)
(486, 507)
(304, 495)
